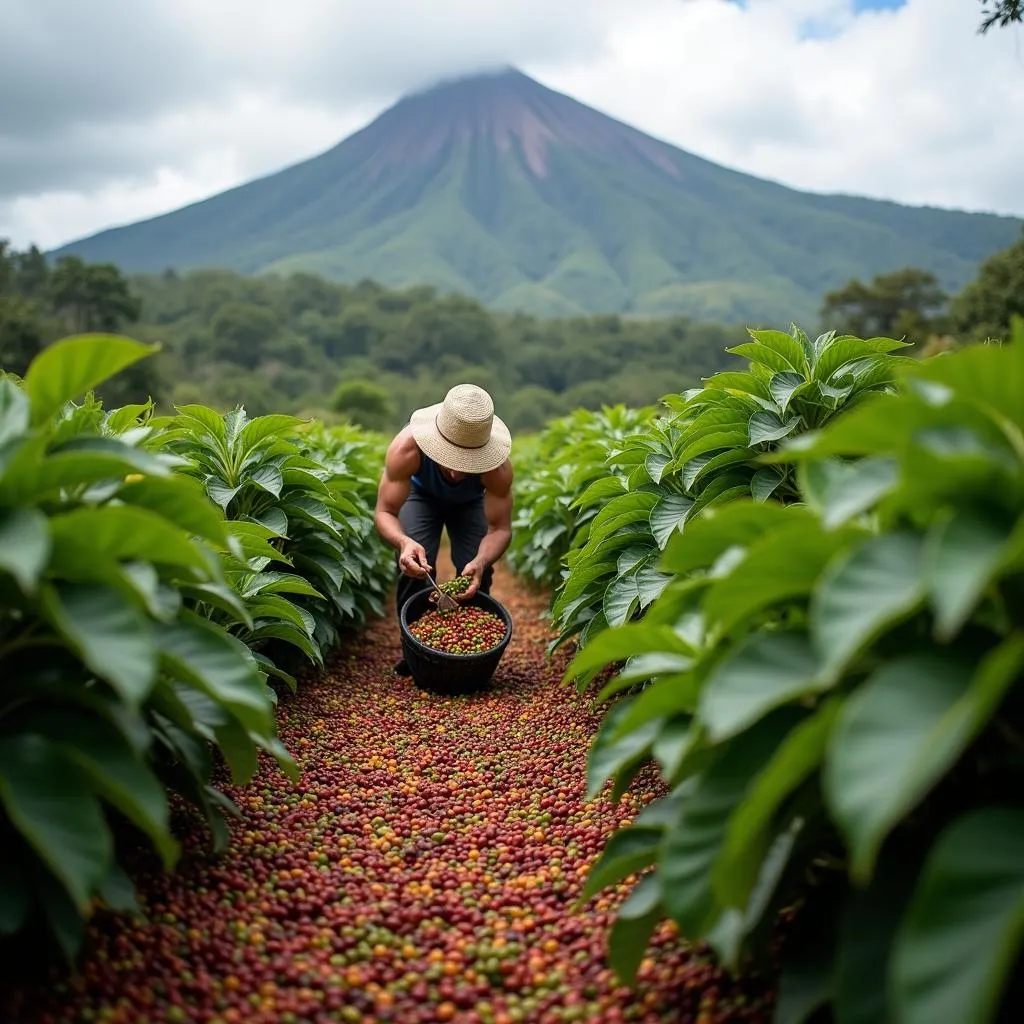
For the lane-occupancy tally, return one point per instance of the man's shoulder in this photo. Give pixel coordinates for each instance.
(403, 457)
(498, 480)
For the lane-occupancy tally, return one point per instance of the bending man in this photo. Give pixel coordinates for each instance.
(448, 469)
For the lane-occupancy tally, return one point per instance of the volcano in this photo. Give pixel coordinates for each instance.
(497, 187)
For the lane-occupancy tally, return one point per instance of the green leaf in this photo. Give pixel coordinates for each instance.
(257, 430)
(783, 386)
(901, 732)
(668, 516)
(630, 508)
(853, 488)
(68, 369)
(765, 482)
(179, 499)
(109, 634)
(239, 751)
(221, 492)
(14, 412)
(963, 930)
(782, 565)
(634, 638)
(962, 553)
(789, 346)
(634, 925)
(796, 758)
(764, 670)
(628, 851)
(24, 545)
(719, 529)
(84, 537)
(610, 754)
(103, 756)
(863, 594)
(767, 426)
(55, 812)
(214, 662)
(267, 478)
(991, 377)
(205, 420)
(693, 845)
(117, 891)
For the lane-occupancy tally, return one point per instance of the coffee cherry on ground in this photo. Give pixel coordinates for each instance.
(424, 867)
(465, 631)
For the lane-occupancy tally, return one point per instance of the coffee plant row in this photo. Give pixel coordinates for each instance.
(156, 574)
(827, 671)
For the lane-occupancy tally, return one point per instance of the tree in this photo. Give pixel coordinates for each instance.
(95, 296)
(21, 335)
(1001, 13)
(364, 403)
(903, 304)
(241, 331)
(986, 307)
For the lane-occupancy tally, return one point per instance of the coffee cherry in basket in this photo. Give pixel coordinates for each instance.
(459, 585)
(467, 631)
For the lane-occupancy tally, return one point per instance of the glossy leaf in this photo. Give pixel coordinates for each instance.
(864, 593)
(901, 732)
(24, 546)
(68, 369)
(963, 930)
(55, 812)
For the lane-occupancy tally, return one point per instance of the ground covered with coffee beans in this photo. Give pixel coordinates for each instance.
(423, 869)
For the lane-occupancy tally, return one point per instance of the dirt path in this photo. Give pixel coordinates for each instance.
(422, 870)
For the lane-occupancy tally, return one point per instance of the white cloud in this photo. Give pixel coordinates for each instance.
(908, 104)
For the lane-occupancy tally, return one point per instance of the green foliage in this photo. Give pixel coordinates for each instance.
(135, 614)
(307, 560)
(986, 307)
(833, 695)
(903, 304)
(705, 451)
(1001, 13)
(553, 474)
(363, 403)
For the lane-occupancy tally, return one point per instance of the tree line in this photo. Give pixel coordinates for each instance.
(372, 354)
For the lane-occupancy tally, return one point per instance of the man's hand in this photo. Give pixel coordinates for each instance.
(412, 560)
(475, 571)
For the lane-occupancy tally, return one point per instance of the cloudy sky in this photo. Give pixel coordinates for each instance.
(115, 110)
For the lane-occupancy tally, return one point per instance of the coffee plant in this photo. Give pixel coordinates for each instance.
(307, 561)
(552, 476)
(706, 451)
(833, 696)
(130, 608)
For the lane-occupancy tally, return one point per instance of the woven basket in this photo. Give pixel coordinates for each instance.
(444, 673)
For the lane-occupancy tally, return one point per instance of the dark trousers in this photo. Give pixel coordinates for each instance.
(423, 518)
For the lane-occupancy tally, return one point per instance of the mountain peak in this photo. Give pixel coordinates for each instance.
(509, 110)
(496, 186)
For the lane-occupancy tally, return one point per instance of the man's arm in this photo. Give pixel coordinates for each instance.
(498, 512)
(400, 463)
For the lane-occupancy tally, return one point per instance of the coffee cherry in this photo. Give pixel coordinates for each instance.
(466, 631)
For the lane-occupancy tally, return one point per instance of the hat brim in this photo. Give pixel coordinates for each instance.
(423, 424)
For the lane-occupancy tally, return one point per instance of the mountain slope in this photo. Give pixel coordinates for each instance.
(500, 188)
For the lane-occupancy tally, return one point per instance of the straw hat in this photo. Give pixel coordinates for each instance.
(462, 433)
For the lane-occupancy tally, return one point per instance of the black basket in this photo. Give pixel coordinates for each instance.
(444, 673)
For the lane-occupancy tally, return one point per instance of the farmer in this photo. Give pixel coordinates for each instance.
(448, 468)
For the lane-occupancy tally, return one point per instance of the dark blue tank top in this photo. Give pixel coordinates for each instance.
(430, 482)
